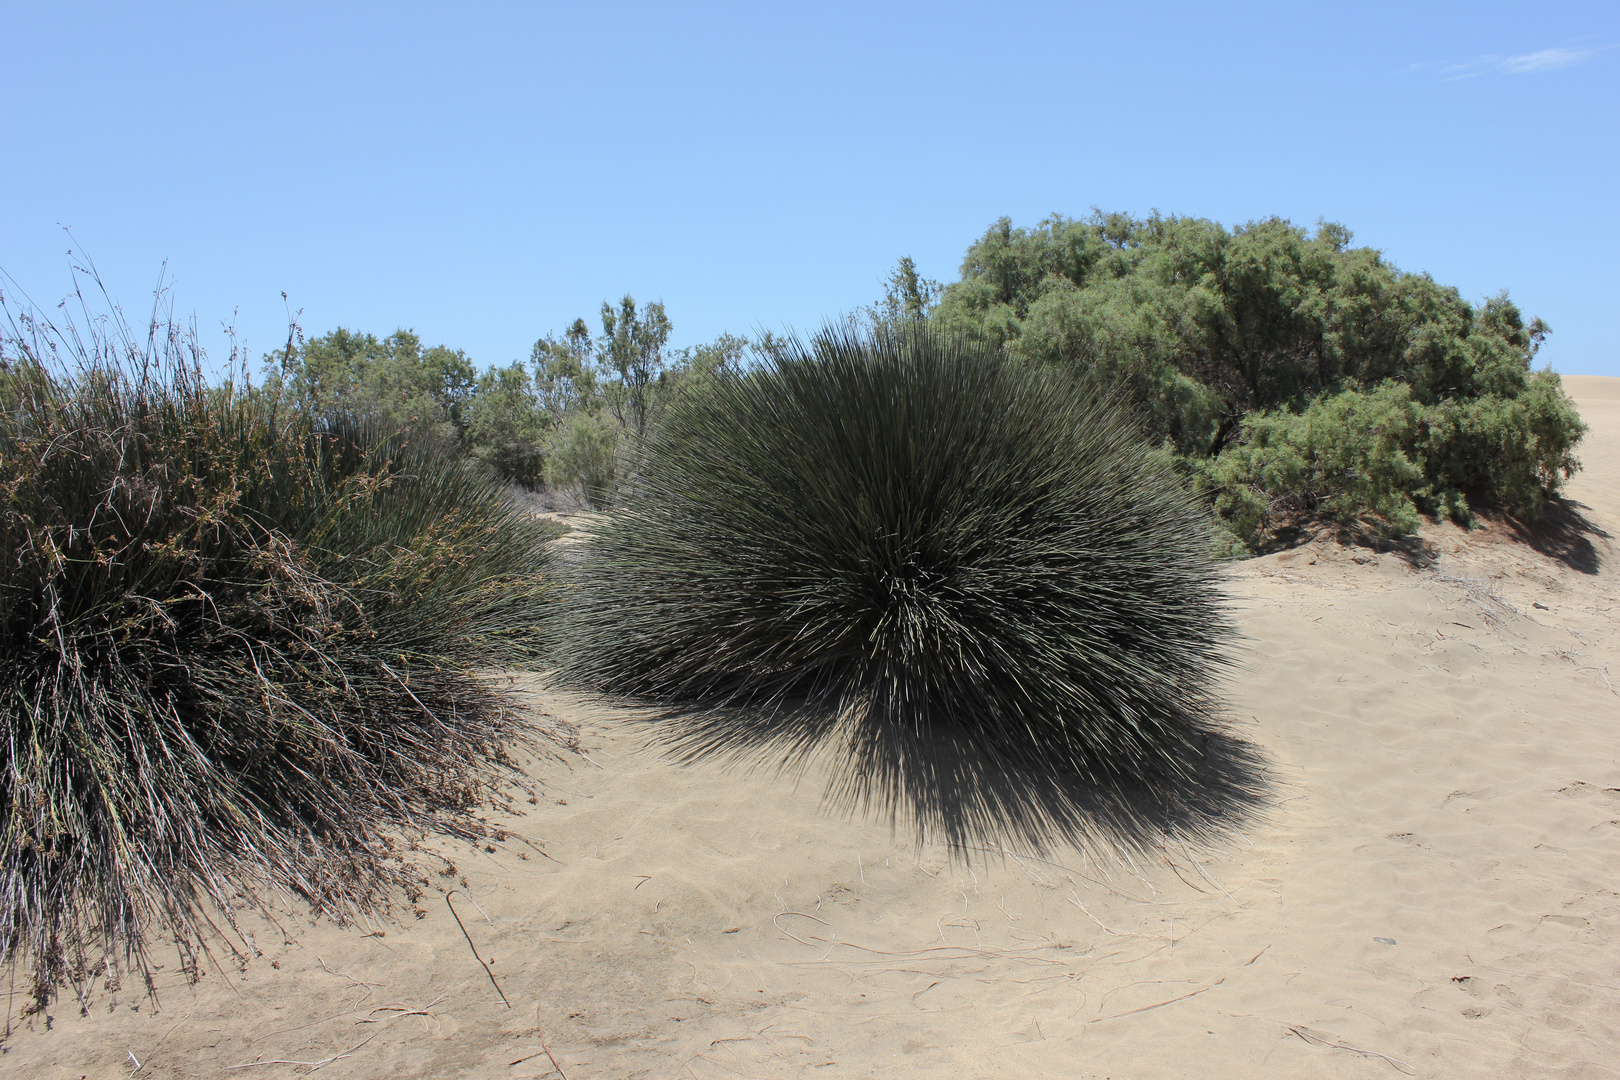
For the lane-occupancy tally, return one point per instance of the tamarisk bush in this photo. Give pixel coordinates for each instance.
(966, 572)
(238, 648)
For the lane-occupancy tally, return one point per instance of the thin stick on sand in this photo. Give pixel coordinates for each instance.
(1183, 997)
(474, 948)
(311, 1065)
(1310, 1038)
(541, 1032)
(344, 974)
(1602, 674)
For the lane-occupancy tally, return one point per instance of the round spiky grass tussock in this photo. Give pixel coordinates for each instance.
(968, 573)
(238, 650)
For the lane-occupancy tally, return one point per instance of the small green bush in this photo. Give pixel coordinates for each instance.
(238, 647)
(1383, 457)
(583, 459)
(901, 541)
(1511, 452)
(1345, 456)
(508, 430)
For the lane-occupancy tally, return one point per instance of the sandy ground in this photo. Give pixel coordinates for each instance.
(1432, 890)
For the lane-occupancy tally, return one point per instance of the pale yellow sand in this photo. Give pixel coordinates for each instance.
(1435, 890)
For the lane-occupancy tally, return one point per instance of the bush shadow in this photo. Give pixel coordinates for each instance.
(1563, 533)
(943, 787)
(1412, 549)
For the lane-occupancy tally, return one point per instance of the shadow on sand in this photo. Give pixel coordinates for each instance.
(1563, 533)
(1413, 550)
(943, 787)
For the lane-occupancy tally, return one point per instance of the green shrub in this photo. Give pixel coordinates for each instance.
(1511, 452)
(901, 542)
(583, 458)
(509, 427)
(1345, 456)
(1381, 456)
(395, 379)
(1235, 345)
(237, 649)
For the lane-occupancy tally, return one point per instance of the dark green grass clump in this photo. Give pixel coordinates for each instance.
(969, 571)
(238, 650)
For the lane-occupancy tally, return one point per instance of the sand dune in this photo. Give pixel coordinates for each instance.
(1431, 891)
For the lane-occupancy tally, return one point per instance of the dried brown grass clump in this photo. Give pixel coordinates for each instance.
(238, 648)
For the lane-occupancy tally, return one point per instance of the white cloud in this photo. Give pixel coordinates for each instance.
(1470, 70)
(1523, 64)
(1545, 60)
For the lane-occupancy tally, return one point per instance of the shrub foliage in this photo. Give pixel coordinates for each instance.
(237, 648)
(1384, 456)
(903, 538)
(1241, 347)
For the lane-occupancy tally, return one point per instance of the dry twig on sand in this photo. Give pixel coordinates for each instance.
(541, 1033)
(311, 1065)
(487, 970)
(1183, 997)
(1311, 1037)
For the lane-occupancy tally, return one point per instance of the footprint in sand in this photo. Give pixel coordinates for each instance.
(1567, 920)
(1580, 789)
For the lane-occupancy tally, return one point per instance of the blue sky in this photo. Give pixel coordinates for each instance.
(484, 173)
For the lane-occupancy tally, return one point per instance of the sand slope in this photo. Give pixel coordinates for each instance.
(1433, 891)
